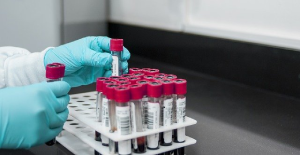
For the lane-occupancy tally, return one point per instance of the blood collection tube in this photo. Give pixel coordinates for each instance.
(114, 78)
(127, 75)
(144, 84)
(166, 112)
(116, 48)
(139, 74)
(180, 91)
(54, 72)
(152, 72)
(105, 112)
(149, 77)
(110, 94)
(122, 96)
(154, 92)
(122, 79)
(138, 122)
(134, 70)
(158, 78)
(170, 76)
(134, 79)
(145, 70)
(160, 75)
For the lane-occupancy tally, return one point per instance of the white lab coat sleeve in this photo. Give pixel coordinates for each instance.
(19, 67)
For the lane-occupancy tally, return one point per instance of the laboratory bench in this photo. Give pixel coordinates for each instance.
(233, 118)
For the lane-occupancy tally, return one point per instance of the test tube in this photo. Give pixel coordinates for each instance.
(116, 48)
(134, 79)
(145, 70)
(134, 70)
(170, 76)
(160, 75)
(179, 151)
(151, 71)
(138, 122)
(105, 112)
(122, 96)
(54, 72)
(154, 92)
(180, 91)
(110, 94)
(168, 90)
(149, 77)
(158, 78)
(139, 74)
(144, 84)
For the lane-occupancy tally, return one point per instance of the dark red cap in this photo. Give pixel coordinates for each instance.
(168, 87)
(144, 84)
(152, 72)
(99, 83)
(116, 45)
(136, 91)
(149, 77)
(107, 83)
(53, 71)
(158, 78)
(133, 80)
(154, 89)
(180, 86)
(114, 78)
(122, 94)
(110, 91)
(127, 83)
(122, 79)
(127, 75)
(62, 68)
(160, 75)
(170, 76)
(144, 70)
(139, 74)
(134, 70)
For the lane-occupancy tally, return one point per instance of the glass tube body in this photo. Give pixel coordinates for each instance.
(153, 119)
(98, 114)
(116, 63)
(105, 119)
(53, 141)
(123, 126)
(179, 151)
(113, 124)
(138, 125)
(166, 112)
(179, 134)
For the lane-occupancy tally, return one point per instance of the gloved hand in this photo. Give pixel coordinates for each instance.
(33, 114)
(86, 59)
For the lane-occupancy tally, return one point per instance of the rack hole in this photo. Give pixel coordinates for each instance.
(80, 101)
(72, 106)
(86, 96)
(69, 120)
(86, 104)
(74, 98)
(74, 124)
(78, 110)
(92, 99)
(80, 127)
(92, 108)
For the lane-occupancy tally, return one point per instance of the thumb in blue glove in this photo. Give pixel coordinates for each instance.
(32, 115)
(86, 59)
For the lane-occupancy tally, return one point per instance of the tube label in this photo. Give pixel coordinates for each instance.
(104, 139)
(180, 110)
(105, 114)
(152, 141)
(153, 115)
(115, 66)
(133, 117)
(98, 107)
(181, 134)
(124, 147)
(123, 120)
(167, 112)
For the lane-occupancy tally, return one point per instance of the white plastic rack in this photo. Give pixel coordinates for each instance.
(82, 123)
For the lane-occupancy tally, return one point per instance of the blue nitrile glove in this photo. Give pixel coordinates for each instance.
(86, 59)
(32, 115)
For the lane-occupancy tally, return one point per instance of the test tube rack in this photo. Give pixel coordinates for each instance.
(82, 123)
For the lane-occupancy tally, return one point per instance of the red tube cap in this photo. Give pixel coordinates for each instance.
(149, 77)
(125, 83)
(168, 87)
(99, 83)
(152, 72)
(160, 75)
(133, 80)
(53, 71)
(139, 74)
(145, 70)
(180, 86)
(154, 89)
(127, 75)
(134, 70)
(110, 91)
(122, 94)
(170, 76)
(62, 68)
(136, 91)
(116, 45)
(114, 78)
(107, 83)
(158, 78)
(122, 79)
(144, 84)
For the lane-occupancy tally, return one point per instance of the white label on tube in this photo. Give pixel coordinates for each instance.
(168, 136)
(98, 107)
(152, 141)
(124, 147)
(167, 112)
(104, 139)
(153, 115)
(105, 114)
(123, 120)
(133, 117)
(115, 66)
(180, 111)
(181, 134)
